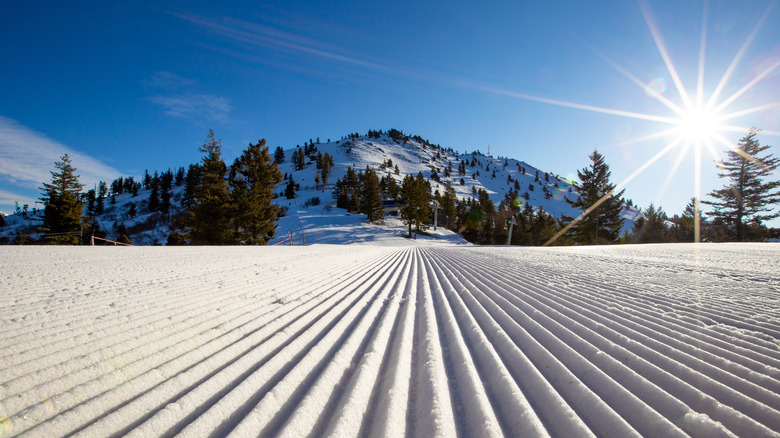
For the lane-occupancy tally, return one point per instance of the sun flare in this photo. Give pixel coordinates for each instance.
(696, 124)
(699, 124)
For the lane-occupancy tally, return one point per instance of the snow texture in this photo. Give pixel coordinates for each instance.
(423, 338)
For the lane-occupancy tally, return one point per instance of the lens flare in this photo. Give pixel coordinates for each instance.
(656, 87)
(698, 116)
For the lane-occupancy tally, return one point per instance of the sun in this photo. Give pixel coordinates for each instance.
(698, 124)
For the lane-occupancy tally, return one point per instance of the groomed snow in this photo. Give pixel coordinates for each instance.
(419, 339)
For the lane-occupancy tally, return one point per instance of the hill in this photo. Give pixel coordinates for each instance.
(392, 154)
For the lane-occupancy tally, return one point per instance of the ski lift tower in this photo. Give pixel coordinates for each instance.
(512, 223)
(435, 214)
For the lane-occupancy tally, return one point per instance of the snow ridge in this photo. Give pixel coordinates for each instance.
(495, 175)
(425, 340)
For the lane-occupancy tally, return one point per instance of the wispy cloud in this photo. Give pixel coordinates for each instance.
(178, 99)
(27, 157)
(9, 198)
(267, 37)
(194, 105)
(167, 80)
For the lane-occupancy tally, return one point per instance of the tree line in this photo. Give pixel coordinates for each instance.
(224, 204)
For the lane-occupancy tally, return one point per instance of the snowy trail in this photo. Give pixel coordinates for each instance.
(429, 340)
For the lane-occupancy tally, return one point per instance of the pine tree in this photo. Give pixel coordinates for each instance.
(289, 190)
(191, 184)
(63, 208)
(651, 226)
(600, 221)
(352, 187)
(487, 228)
(299, 159)
(166, 185)
(746, 200)
(393, 190)
(684, 229)
(279, 155)
(180, 175)
(448, 206)
(371, 197)
(147, 181)
(540, 226)
(122, 235)
(128, 184)
(326, 164)
(416, 192)
(208, 219)
(154, 196)
(91, 197)
(101, 196)
(254, 176)
(117, 186)
(340, 194)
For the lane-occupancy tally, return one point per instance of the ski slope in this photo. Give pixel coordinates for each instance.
(421, 339)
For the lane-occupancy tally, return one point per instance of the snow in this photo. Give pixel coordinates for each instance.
(323, 223)
(390, 337)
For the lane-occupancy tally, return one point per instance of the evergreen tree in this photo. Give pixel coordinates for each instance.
(63, 207)
(122, 235)
(371, 197)
(393, 190)
(92, 229)
(684, 225)
(299, 159)
(175, 238)
(208, 218)
(352, 187)
(747, 199)
(279, 155)
(101, 197)
(191, 184)
(340, 194)
(91, 197)
(487, 228)
(180, 175)
(147, 181)
(154, 196)
(117, 186)
(600, 221)
(416, 192)
(289, 190)
(166, 185)
(651, 226)
(448, 206)
(326, 164)
(254, 176)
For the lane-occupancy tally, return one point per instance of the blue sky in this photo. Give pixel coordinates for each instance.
(128, 86)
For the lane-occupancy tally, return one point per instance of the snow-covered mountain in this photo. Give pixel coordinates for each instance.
(409, 154)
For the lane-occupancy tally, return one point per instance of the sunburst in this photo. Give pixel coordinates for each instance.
(696, 124)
